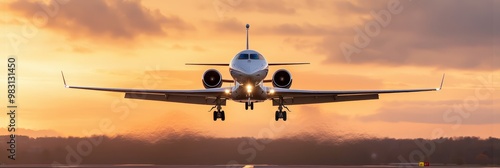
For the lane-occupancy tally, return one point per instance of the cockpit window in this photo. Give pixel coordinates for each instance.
(253, 56)
(256, 56)
(243, 56)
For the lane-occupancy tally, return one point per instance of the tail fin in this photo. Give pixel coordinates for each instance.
(247, 26)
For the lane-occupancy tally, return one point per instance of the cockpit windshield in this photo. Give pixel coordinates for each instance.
(256, 56)
(252, 56)
(243, 56)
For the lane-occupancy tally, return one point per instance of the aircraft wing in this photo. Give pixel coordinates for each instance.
(200, 96)
(208, 64)
(295, 97)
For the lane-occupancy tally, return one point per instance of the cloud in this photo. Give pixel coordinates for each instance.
(292, 8)
(184, 47)
(313, 113)
(264, 6)
(331, 81)
(344, 7)
(294, 29)
(442, 112)
(199, 48)
(124, 20)
(230, 25)
(426, 33)
(31, 132)
(80, 49)
(10, 22)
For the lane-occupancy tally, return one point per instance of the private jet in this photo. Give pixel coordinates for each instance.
(248, 70)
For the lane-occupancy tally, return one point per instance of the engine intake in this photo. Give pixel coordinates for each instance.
(282, 79)
(212, 79)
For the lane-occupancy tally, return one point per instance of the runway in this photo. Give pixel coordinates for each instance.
(223, 166)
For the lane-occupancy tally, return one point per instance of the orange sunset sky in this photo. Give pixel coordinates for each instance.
(144, 44)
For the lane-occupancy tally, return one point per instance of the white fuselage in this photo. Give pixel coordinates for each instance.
(248, 69)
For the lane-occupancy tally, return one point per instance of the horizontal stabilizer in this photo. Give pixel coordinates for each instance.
(270, 64)
(289, 63)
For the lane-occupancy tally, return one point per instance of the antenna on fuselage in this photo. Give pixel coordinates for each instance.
(248, 26)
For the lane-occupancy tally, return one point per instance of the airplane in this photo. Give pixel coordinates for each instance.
(249, 69)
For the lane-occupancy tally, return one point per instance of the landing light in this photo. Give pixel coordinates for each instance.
(227, 91)
(271, 91)
(249, 88)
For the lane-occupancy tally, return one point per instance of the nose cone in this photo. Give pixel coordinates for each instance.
(249, 66)
(248, 62)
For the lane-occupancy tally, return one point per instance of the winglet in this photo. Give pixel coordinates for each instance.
(64, 80)
(441, 86)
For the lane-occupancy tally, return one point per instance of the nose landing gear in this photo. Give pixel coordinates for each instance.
(248, 104)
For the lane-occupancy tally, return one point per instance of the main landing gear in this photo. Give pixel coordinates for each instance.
(219, 113)
(281, 113)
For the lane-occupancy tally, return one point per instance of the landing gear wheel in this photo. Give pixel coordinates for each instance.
(284, 115)
(246, 105)
(251, 105)
(215, 116)
(222, 116)
(276, 116)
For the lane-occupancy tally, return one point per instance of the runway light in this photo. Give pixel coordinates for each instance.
(227, 91)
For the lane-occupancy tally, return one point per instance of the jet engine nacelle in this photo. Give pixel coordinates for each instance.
(282, 79)
(212, 79)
